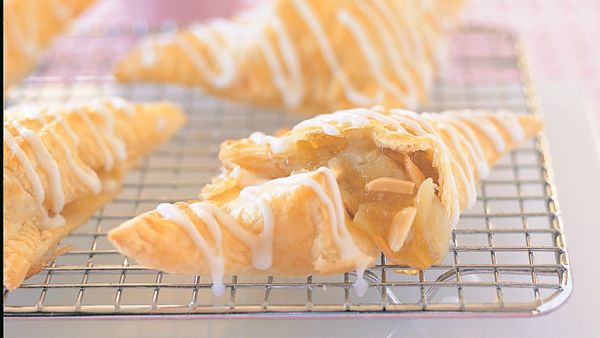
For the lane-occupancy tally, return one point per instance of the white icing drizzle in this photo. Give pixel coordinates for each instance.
(511, 124)
(277, 144)
(401, 34)
(32, 175)
(316, 29)
(395, 56)
(121, 105)
(109, 160)
(101, 108)
(291, 88)
(464, 167)
(474, 146)
(48, 164)
(412, 45)
(66, 127)
(221, 56)
(486, 127)
(214, 258)
(261, 245)
(26, 42)
(369, 51)
(88, 177)
(460, 134)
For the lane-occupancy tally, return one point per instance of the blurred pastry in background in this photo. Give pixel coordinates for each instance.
(308, 56)
(62, 163)
(29, 27)
(329, 195)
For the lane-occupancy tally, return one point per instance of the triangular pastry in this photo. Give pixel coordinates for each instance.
(62, 163)
(29, 27)
(330, 194)
(305, 55)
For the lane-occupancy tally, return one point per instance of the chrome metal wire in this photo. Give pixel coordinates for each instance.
(507, 255)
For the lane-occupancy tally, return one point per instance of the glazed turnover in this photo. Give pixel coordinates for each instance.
(29, 27)
(62, 163)
(329, 195)
(306, 55)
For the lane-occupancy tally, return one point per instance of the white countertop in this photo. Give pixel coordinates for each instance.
(577, 176)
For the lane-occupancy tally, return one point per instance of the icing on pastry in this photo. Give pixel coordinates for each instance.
(32, 175)
(213, 257)
(98, 139)
(261, 245)
(512, 126)
(221, 56)
(121, 104)
(386, 36)
(410, 44)
(277, 144)
(473, 145)
(490, 130)
(88, 177)
(458, 127)
(394, 55)
(101, 107)
(48, 164)
(290, 88)
(316, 29)
(26, 42)
(372, 57)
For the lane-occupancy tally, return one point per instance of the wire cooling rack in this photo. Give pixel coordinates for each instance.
(507, 256)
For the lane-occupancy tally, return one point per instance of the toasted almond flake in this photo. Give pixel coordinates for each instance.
(389, 184)
(413, 172)
(400, 227)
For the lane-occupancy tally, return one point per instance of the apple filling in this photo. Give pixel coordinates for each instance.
(390, 195)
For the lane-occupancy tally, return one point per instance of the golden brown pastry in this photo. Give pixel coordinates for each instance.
(329, 195)
(62, 163)
(29, 27)
(306, 55)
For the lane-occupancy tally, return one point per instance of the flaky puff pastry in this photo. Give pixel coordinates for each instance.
(305, 55)
(291, 226)
(62, 163)
(398, 179)
(453, 149)
(29, 27)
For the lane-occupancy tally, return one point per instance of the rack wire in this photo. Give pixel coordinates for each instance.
(507, 256)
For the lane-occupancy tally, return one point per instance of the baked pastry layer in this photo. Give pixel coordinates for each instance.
(29, 27)
(329, 195)
(309, 56)
(62, 163)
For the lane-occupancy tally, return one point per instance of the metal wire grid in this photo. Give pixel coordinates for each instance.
(507, 255)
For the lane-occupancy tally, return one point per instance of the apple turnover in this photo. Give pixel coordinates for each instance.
(29, 27)
(62, 163)
(306, 55)
(329, 195)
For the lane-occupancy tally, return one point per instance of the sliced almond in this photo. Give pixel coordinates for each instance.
(400, 227)
(389, 184)
(414, 173)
